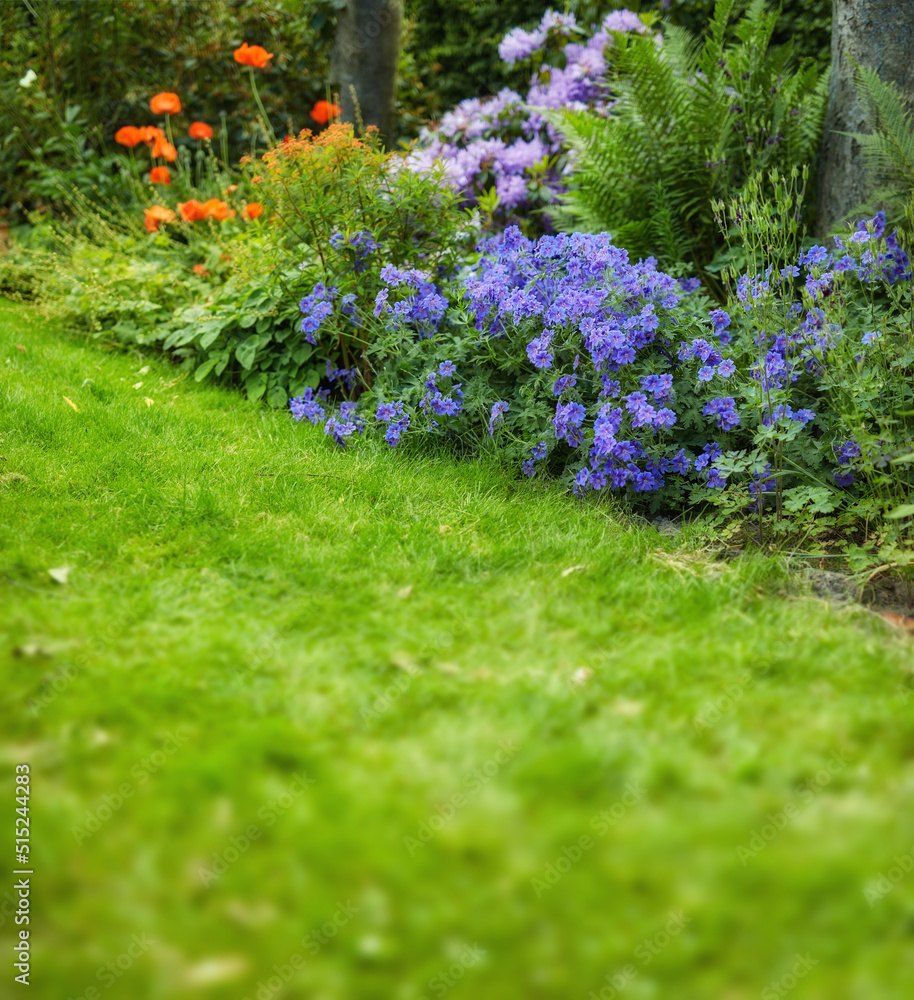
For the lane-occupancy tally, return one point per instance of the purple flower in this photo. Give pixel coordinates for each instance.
(705, 374)
(537, 351)
(306, 406)
(726, 368)
(497, 416)
(447, 368)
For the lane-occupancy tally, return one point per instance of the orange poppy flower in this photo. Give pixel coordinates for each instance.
(253, 210)
(192, 211)
(200, 130)
(149, 134)
(129, 136)
(156, 216)
(201, 270)
(162, 147)
(216, 209)
(252, 55)
(159, 175)
(323, 111)
(165, 104)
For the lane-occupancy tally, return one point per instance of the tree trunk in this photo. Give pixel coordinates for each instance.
(874, 33)
(364, 63)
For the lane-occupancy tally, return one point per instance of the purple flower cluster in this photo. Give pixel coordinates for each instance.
(497, 416)
(421, 310)
(395, 415)
(345, 424)
(306, 406)
(478, 141)
(315, 308)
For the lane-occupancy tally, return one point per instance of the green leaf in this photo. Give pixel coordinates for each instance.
(204, 369)
(905, 510)
(255, 385)
(247, 320)
(246, 351)
(903, 459)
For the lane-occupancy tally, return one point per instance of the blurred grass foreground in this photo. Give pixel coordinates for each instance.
(306, 722)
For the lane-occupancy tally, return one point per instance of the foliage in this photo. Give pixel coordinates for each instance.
(501, 152)
(563, 355)
(692, 122)
(889, 148)
(105, 56)
(452, 47)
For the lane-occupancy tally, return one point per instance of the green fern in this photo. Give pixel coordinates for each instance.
(889, 150)
(693, 121)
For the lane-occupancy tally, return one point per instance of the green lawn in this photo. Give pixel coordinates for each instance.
(325, 724)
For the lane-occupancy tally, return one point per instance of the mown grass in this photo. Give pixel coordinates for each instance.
(396, 630)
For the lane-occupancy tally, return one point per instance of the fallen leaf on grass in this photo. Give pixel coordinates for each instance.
(581, 676)
(573, 569)
(405, 592)
(139, 385)
(71, 403)
(899, 621)
(59, 574)
(20, 347)
(148, 401)
(143, 370)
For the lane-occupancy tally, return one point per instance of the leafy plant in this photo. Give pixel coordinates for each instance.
(889, 148)
(692, 122)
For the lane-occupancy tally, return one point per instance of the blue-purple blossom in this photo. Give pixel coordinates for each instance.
(497, 416)
(306, 407)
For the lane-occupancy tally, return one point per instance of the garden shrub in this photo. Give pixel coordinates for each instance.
(565, 355)
(690, 123)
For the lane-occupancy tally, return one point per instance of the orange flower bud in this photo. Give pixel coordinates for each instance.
(253, 210)
(159, 175)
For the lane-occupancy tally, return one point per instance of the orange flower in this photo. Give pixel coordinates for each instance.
(253, 210)
(231, 189)
(200, 130)
(192, 211)
(323, 111)
(159, 175)
(162, 147)
(201, 270)
(216, 209)
(129, 136)
(252, 55)
(165, 104)
(156, 216)
(149, 134)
